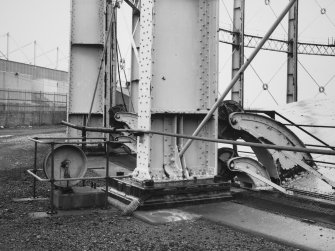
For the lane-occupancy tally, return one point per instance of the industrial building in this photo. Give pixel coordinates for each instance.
(31, 95)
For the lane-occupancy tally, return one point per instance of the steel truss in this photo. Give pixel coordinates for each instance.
(251, 41)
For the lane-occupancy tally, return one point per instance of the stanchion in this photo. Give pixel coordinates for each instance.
(52, 180)
(107, 172)
(35, 170)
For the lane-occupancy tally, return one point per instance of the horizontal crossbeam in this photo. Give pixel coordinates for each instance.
(251, 41)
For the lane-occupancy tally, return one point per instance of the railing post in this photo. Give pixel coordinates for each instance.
(54, 110)
(107, 171)
(83, 134)
(35, 171)
(52, 181)
(41, 107)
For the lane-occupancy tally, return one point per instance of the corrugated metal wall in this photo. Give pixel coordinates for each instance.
(34, 71)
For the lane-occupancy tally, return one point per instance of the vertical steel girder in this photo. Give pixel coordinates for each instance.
(144, 101)
(177, 85)
(112, 56)
(109, 76)
(134, 63)
(237, 92)
(292, 55)
(87, 45)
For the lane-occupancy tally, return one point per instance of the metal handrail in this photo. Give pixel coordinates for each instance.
(224, 141)
(298, 126)
(316, 161)
(307, 132)
(314, 126)
(52, 180)
(75, 143)
(31, 172)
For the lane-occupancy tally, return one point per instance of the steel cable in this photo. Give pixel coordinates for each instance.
(328, 82)
(23, 53)
(44, 54)
(3, 55)
(23, 46)
(273, 12)
(100, 67)
(257, 96)
(278, 70)
(309, 25)
(231, 19)
(273, 76)
(310, 75)
(124, 72)
(272, 96)
(227, 60)
(325, 12)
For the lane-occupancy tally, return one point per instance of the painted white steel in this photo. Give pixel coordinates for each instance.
(88, 22)
(144, 92)
(269, 131)
(177, 75)
(135, 63)
(237, 92)
(85, 62)
(292, 55)
(184, 55)
(87, 41)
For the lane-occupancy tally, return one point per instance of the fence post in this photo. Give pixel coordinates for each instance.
(41, 107)
(54, 110)
(24, 107)
(6, 108)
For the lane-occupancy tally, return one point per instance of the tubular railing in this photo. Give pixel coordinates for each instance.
(273, 114)
(52, 142)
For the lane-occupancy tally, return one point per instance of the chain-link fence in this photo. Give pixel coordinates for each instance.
(19, 108)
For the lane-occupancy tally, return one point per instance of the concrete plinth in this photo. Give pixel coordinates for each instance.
(82, 197)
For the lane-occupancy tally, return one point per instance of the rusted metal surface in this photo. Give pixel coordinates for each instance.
(268, 131)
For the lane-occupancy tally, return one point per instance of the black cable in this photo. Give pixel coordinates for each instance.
(124, 72)
(100, 67)
(118, 70)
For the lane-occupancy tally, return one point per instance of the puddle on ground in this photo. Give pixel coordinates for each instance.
(165, 216)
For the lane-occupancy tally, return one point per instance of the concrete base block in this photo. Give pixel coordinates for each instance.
(81, 197)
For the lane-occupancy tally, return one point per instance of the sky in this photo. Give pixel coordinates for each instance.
(48, 23)
(313, 27)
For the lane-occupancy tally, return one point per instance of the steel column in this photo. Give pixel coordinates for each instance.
(134, 82)
(86, 51)
(144, 103)
(110, 73)
(177, 85)
(113, 58)
(237, 92)
(292, 55)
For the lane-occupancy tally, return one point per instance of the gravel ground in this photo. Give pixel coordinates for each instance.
(100, 229)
